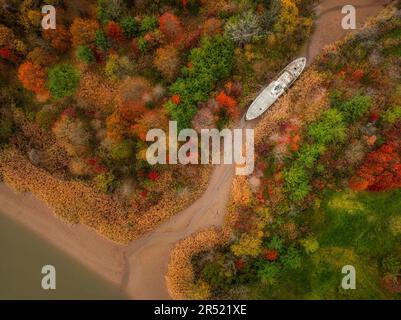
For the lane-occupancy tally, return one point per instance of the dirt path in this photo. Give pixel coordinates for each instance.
(329, 17)
(140, 267)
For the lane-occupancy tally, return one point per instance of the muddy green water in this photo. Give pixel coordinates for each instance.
(22, 256)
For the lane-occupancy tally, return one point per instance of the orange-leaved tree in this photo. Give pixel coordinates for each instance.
(32, 77)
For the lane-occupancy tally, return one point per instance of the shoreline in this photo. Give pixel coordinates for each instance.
(80, 242)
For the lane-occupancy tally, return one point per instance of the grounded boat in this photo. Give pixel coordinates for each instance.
(274, 90)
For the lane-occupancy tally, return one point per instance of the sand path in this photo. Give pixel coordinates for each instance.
(140, 267)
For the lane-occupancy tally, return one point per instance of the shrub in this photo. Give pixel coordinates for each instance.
(104, 181)
(63, 80)
(142, 45)
(311, 245)
(225, 100)
(247, 246)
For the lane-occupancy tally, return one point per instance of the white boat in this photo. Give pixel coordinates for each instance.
(274, 90)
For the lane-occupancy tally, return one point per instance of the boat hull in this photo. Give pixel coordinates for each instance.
(276, 89)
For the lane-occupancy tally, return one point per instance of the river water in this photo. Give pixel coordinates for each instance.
(22, 256)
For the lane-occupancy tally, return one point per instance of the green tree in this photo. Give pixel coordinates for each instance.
(268, 272)
(296, 183)
(292, 259)
(130, 27)
(63, 80)
(355, 108)
(310, 153)
(110, 10)
(329, 129)
(392, 115)
(84, 53)
(149, 23)
(101, 40)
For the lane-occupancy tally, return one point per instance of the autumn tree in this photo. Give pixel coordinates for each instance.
(212, 26)
(83, 31)
(116, 127)
(243, 28)
(289, 25)
(59, 38)
(171, 26)
(6, 37)
(32, 77)
(95, 93)
(228, 102)
(380, 171)
(72, 134)
(110, 10)
(149, 120)
(134, 89)
(40, 57)
(167, 61)
(114, 31)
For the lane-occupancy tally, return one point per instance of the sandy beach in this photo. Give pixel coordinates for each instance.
(80, 242)
(140, 267)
